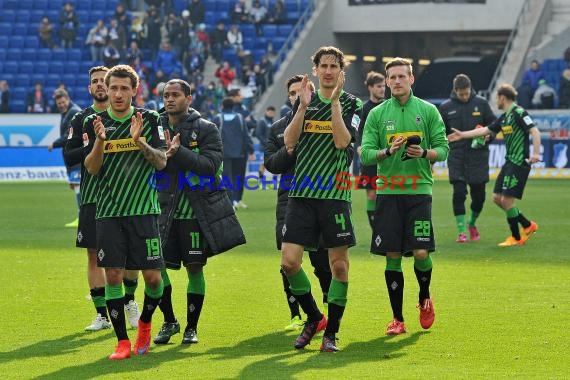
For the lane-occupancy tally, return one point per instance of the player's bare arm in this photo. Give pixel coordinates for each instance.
(458, 135)
(295, 127)
(341, 135)
(156, 157)
(94, 160)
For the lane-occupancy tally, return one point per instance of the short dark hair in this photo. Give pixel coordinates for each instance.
(185, 86)
(227, 102)
(373, 78)
(508, 91)
(95, 69)
(234, 92)
(399, 62)
(60, 93)
(270, 108)
(123, 71)
(461, 81)
(293, 79)
(329, 50)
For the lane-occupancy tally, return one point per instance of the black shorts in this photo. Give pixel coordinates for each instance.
(308, 219)
(185, 244)
(512, 180)
(129, 242)
(368, 172)
(86, 230)
(402, 223)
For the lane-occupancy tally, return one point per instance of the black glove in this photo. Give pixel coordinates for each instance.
(412, 140)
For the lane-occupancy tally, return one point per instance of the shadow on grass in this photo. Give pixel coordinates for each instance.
(45, 348)
(120, 368)
(281, 354)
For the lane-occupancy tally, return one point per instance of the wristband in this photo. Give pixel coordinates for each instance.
(424, 154)
(387, 152)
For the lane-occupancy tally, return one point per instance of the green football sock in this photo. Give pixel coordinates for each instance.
(337, 292)
(460, 221)
(473, 218)
(299, 283)
(196, 283)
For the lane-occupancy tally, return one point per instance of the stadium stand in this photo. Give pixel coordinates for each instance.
(24, 62)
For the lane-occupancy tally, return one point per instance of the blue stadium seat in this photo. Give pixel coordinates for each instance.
(43, 55)
(53, 80)
(32, 42)
(23, 16)
(12, 79)
(4, 42)
(26, 4)
(99, 15)
(14, 54)
(83, 16)
(42, 5)
(56, 67)
(17, 106)
(53, 16)
(209, 6)
(23, 81)
(223, 5)
(261, 43)
(59, 54)
(223, 16)
(258, 54)
(20, 29)
(293, 16)
(8, 15)
(291, 5)
(54, 5)
(85, 5)
(278, 43)
(269, 31)
(71, 80)
(230, 56)
(36, 16)
(5, 29)
(284, 30)
(3, 55)
(210, 18)
(41, 68)
(29, 54)
(74, 55)
(180, 5)
(10, 67)
(10, 4)
(26, 67)
(37, 78)
(20, 92)
(16, 42)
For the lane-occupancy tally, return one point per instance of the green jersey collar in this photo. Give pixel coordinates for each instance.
(97, 109)
(325, 100)
(123, 119)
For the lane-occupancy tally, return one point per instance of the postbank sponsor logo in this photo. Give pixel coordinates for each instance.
(317, 126)
(121, 145)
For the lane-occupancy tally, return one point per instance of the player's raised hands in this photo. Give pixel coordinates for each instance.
(173, 145)
(99, 128)
(305, 95)
(136, 126)
(339, 85)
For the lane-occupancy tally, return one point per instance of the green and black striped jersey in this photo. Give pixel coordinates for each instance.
(123, 181)
(78, 137)
(515, 125)
(319, 162)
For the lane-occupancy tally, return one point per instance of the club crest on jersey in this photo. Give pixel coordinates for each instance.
(70, 134)
(418, 119)
(85, 139)
(121, 145)
(355, 121)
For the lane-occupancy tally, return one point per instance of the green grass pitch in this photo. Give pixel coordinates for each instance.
(500, 313)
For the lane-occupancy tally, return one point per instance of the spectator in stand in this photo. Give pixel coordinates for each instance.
(201, 42)
(278, 14)
(258, 15)
(239, 12)
(544, 97)
(118, 34)
(218, 41)
(111, 55)
(197, 12)
(167, 62)
(260, 81)
(122, 16)
(68, 24)
(186, 35)
(45, 31)
(262, 129)
(140, 68)
(96, 40)
(236, 95)
(225, 74)
(564, 91)
(235, 38)
(38, 100)
(4, 97)
(532, 76)
(216, 93)
(138, 30)
(159, 78)
(193, 63)
(133, 53)
(266, 67)
(567, 56)
(154, 23)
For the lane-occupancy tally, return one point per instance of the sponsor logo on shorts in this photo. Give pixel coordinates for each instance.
(343, 234)
(378, 240)
(423, 239)
(79, 236)
(194, 252)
